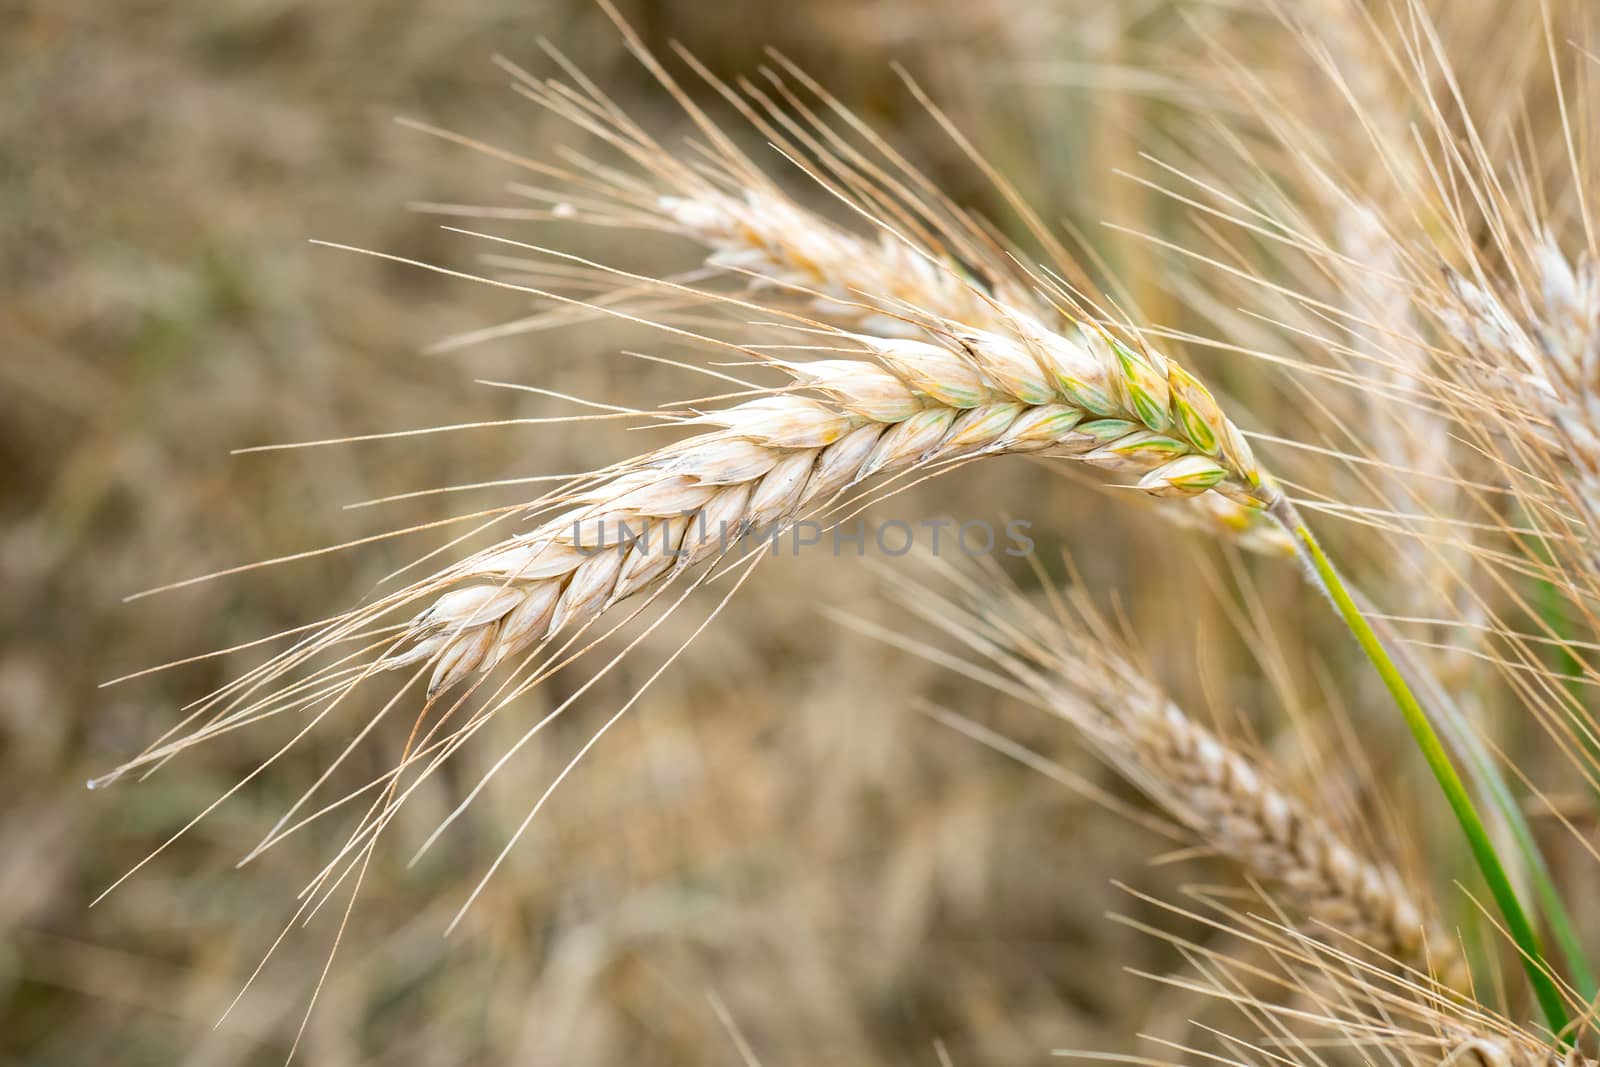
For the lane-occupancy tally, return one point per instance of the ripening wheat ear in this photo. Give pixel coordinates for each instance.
(900, 407)
(1070, 661)
(891, 409)
(864, 282)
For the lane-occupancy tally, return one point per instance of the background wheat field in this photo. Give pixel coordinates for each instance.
(786, 852)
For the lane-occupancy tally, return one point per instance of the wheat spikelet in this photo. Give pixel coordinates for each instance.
(1384, 328)
(1381, 315)
(1070, 662)
(964, 393)
(1419, 487)
(765, 234)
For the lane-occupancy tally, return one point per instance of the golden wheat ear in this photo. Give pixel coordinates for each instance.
(900, 407)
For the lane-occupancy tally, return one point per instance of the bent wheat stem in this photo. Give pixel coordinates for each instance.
(1494, 873)
(1470, 748)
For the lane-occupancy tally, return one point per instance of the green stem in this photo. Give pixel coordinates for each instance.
(1517, 923)
(1482, 771)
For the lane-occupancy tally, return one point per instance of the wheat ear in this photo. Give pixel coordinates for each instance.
(1235, 805)
(863, 283)
(962, 394)
(1070, 662)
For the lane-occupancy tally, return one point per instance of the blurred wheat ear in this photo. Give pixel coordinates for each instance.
(1062, 654)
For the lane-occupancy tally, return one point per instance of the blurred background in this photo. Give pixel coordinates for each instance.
(774, 843)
